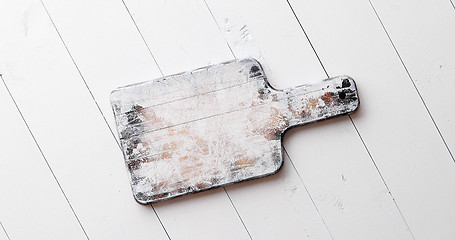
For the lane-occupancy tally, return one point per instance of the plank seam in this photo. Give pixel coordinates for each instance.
(142, 36)
(308, 192)
(3, 227)
(237, 213)
(206, 117)
(189, 97)
(355, 127)
(93, 97)
(284, 149)
(78, 70)
(306, 35)
(219, 28)
(412, 80)
(162, 225)
(44, 157)
(382, 178)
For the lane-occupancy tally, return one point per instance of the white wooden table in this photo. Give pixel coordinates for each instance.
(386, 172)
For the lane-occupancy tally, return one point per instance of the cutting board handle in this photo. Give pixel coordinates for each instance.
(310, 103)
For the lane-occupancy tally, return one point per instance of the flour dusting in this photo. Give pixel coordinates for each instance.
(215, 126)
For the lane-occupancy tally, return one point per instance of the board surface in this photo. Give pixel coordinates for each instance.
(215, 126)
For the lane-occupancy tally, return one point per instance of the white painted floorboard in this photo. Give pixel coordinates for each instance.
(387, 174)
(429, 57)
(28, 186)
(430, 60)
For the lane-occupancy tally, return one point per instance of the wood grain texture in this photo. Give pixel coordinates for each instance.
(215, 126)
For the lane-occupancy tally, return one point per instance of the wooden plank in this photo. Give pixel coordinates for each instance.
(432, 67)
(30, 195)
(392, 120)
(272, 34)
(116, 57)
(69, 128)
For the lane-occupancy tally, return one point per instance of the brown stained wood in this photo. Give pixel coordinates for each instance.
(215, 126)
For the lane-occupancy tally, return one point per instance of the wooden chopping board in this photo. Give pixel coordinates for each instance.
(215, 126)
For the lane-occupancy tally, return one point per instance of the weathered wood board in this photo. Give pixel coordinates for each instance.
(215, 126)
